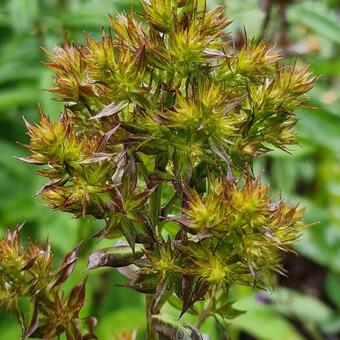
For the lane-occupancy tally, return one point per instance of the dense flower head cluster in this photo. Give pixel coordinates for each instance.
(163, 117)
(27, 273)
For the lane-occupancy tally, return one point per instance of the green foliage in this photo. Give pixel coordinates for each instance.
(309, 175)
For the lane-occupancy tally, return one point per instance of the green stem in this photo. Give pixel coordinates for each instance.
(155, 205)
(266, 21)
(151, 332)
(202, 317)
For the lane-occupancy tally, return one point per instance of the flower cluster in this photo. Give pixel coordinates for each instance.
(159, 117)
(233, 235)
(26, 272)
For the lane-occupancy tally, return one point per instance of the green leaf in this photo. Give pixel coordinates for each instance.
(321, 243)
(129, 231)
(127, 318)
(319, 126)
(19, 96)
(317, 18)
(332, 286)
(304, 307)
(262, 322)
(285, 175)
(228, 311)
(326, 67)
(22, 14)
(17, 71)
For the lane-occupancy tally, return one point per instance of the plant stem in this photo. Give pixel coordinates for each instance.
(266, 20)
(155, 211)
(151, 333)
(203, 316)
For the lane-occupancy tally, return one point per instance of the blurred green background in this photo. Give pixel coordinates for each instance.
(306, 304)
